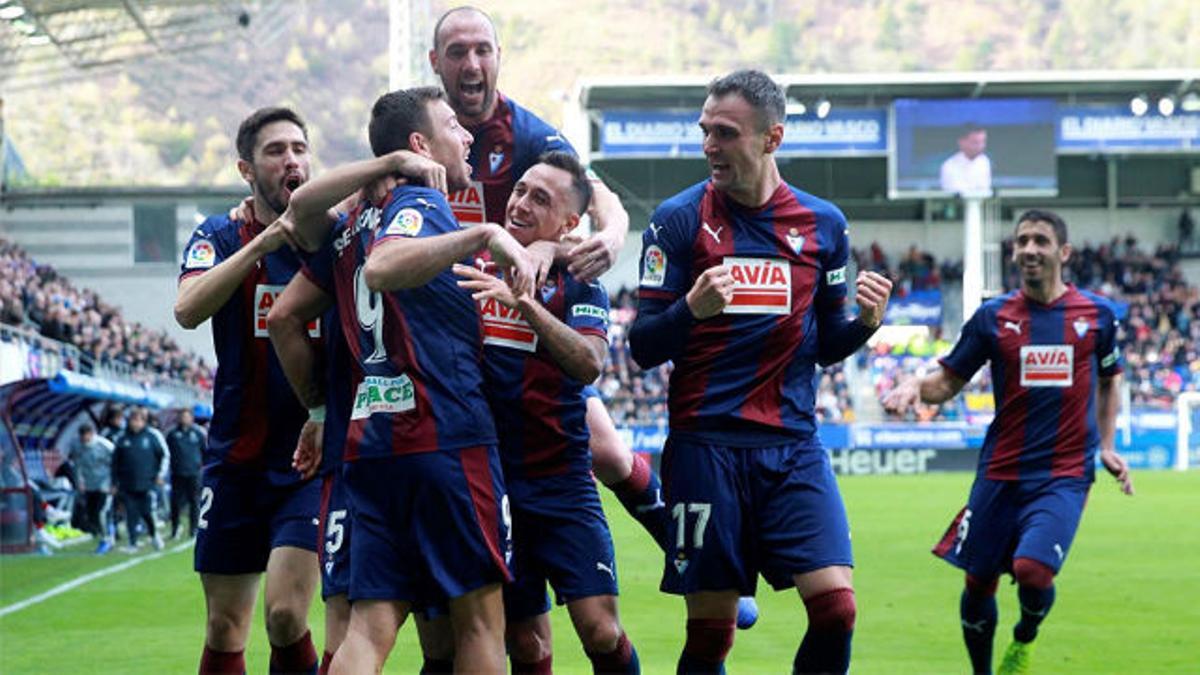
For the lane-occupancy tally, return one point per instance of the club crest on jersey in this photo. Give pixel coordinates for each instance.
(376, 394)
(1081, 327)
(496, 158)
(264, 300)
(795, 240)
(504, 327)
(760, 286)
(406, 223)
(654, 266)
(468, 205)
(1047, 366)
(200, 255)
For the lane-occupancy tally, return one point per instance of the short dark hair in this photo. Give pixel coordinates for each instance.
(399, 113)
(437, 27)
(970, 128)
(86, 428)
(758, 89)
(1045, 216)
(581, 184)
(247, 135)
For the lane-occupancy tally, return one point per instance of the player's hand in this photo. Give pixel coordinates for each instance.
(542, 253)
(242, 211)
(282, 232)
(508, 252)
(420, 169)
(903, 397)
(711, 293)
(307, 457)
(484, 286)
(378, 190)
(871, 292)
(1119, 468)
(595, 256)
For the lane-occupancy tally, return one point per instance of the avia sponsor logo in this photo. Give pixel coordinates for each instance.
(506, 327)
(760, 286)
(468, 205)
(368, 219)
(654, 266)
(264, 300)
(1047, 366)
(377, 394)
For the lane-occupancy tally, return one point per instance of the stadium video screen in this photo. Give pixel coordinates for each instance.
(972, 146)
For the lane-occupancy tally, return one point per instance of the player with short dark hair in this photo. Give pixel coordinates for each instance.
(541, 350)
(743, 287)
(257, 514)
(422, 468)
(508, 140)
(1055, 370)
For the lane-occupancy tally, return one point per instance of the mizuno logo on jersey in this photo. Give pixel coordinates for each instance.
(504, 327)
(1047, 366)
(654, 266)
(264, 300)
(468, 205)
(760, 286)
(383, 395)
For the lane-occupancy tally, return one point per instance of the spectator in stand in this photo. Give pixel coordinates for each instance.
(114, 423)
(186, 444)
(92, 456)
(137, 459)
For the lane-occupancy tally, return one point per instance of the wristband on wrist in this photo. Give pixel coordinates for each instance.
(316, 413)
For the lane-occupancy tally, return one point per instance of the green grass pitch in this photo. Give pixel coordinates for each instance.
(1128, 599)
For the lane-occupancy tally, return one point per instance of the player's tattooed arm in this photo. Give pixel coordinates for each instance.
(597, 254)
(203, 294)
(311, 206)
(1108, 403)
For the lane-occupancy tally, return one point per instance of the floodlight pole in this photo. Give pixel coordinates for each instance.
(408, 42)
(972, 279)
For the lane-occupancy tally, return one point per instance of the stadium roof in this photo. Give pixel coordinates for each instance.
(871, 88)
(43, 41)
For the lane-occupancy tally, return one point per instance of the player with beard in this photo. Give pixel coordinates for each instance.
(257, 514)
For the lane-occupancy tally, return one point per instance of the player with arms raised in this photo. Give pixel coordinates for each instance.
(1055, 372)
(743, 286)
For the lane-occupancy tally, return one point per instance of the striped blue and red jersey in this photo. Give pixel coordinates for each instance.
(416, 353)
(540, 410)
(339, 390)
(746, 377)
(256, 417)
(505, 146)
(1046, 360)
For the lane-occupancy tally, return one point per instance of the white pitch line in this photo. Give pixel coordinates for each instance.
(89, 577)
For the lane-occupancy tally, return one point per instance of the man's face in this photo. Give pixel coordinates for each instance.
(280, 164)
(1038, 254)
(137, 423)
(186, 419)
(467, 60)
(87, 436)
(972, 144)
(449, 144)
(735, 147)
(541, 205)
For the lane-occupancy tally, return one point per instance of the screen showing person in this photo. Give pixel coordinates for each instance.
(968, 170)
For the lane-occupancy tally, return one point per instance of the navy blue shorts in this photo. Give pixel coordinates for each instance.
(335, 522)
(428, 527)
(559, 535)
(1014, 519)
(734, 513)
(246, 513)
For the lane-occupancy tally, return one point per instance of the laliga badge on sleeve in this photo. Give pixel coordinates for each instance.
(200, 255)
(654, 267)
(406, 223)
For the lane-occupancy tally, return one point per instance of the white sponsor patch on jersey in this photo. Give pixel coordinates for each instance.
(835, 277)
(406, 223)
(506, 327)
(1111, 360)
(201, 255)
(377, 394)
(760, 286)
(590, 310)
(654, 266)
(264, 300)
(468, 205)
(1047, 366)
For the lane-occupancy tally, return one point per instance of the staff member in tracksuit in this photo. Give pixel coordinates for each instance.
(136, 461)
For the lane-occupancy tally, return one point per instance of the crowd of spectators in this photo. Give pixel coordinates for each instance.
(37, 298)
(639, 397)
(917, 270)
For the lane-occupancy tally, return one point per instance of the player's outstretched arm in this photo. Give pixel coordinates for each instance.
(287, 324)
(598, 253)
(936, 387)
(1108, 403)
(203, 294)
